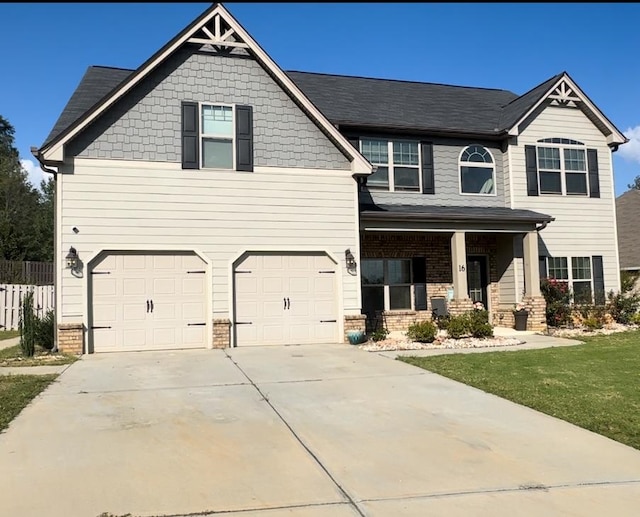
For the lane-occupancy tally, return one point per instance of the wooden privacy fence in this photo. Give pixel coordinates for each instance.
(11, 300)
(27, 273)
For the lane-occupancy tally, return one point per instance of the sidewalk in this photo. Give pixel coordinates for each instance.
(531, 340)
(8, 343)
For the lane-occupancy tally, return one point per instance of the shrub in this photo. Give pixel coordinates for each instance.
(624, 305)
(422, 331)
(479, 325)
(482, 330)
(557, 295)
(380, 334)
(592, 323)
(45, 330)
(442, 322)
(27, 325)
(458, 326)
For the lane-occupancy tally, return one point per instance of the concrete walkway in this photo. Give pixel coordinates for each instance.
(8, 343)
(308, 431)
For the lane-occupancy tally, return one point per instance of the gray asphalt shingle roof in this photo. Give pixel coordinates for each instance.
(359, 101)
(628, 217)
(448, 213)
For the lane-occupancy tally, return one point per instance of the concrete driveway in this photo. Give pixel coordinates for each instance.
(303, 430)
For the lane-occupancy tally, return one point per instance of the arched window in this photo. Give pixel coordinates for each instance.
(477, 171)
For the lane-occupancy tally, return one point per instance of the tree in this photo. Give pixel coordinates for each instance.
(26, 216)
(635, 185)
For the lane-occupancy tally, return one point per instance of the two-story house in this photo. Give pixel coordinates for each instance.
(209, 199)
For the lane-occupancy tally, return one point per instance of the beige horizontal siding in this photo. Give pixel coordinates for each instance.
(583, 226)
(221, 216)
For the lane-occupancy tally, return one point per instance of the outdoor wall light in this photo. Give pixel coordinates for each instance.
(72, 259)
(351, 261)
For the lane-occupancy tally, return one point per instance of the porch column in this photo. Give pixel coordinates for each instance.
(531, 264)
(459, 265)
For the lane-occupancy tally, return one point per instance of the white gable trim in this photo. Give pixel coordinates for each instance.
(359, 164)
(576, 94)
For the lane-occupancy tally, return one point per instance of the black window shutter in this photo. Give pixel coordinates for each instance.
(428, 182)
(190, 137)
(542, 261)
(420, 283)
(594, 180)
(532, 169)
(244, 138)
(598, 279)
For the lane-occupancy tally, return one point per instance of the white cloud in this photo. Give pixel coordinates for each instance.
(35, 173)
(631, 150)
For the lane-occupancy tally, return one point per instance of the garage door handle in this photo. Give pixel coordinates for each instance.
(147, 305)
(288, 304)
(151, 305)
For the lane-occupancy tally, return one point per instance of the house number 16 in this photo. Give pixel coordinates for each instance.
(461, 268)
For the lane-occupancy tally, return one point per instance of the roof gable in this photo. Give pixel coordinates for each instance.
(215, 27)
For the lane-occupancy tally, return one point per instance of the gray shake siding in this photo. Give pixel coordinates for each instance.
(145, 124)
(446, 153)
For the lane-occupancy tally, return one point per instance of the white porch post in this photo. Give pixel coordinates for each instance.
(531, 265)
(459, 265)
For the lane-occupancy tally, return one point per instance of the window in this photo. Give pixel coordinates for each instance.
(386, 284)
(397, 162)
(562, 167)
(477, 171)
(579, 278)
(216, 133)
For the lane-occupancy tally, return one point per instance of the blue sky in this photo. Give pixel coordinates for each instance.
(47, 48)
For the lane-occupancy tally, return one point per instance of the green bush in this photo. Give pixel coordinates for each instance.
(28, 326)
(557, 295)
(380, 334)
(422, 332)
(45, 329)
(624, 305)
(479, 325)
(592, 323)
(442, 322)
(458, 326)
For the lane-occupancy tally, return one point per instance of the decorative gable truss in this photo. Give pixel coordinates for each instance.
(566, 93)
(563, 95)
(217, 33)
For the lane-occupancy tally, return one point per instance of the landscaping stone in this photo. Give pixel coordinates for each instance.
(610, 328)
(398, 340)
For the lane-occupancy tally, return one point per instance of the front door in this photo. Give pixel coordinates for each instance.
(477, 280)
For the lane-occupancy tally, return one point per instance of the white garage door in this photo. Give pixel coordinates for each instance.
(148, 301)
(285, 299)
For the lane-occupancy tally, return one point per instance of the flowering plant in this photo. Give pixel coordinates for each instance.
(519, 307)
(478, 306)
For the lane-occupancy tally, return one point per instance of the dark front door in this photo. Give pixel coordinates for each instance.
(477, 279)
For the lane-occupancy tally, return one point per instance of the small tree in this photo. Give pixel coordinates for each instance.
(635, 185)
(28, 326)
(557, 295)
(623, 305)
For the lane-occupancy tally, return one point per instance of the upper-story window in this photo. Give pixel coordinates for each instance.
(477, 171)
(217, 135)
(397, 162)
(562, 166)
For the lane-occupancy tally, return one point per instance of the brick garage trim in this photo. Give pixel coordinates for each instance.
(71, 338)
(221, 333)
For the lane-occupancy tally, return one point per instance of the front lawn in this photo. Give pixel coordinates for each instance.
(595, 385)
(16, 391)
(8, 334)
(13, 357)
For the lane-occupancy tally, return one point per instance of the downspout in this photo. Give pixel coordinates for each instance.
(36, 153)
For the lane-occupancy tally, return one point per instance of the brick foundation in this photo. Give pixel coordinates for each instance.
(460, 306)
(71, 338)
(536, 306)
(354, 322)
(221, 333)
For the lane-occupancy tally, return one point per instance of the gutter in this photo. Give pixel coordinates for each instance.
(36, 153)
(432, 218)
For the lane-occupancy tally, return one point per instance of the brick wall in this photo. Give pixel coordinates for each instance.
(71, 338)
(353, 322)
(221, 333)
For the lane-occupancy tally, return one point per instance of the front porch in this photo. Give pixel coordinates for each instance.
(411, 267)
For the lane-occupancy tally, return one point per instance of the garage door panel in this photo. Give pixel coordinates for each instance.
(261, 291)
(120, 301)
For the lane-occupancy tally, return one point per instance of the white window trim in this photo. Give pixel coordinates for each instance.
(386, 286)
(563, 171)
(570, 279)
(202, 136)
(391, 166)
(477, 164)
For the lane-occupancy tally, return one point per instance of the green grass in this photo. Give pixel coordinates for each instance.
(12, 356)
(16, 391)
(595, 385)
(8, 334)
